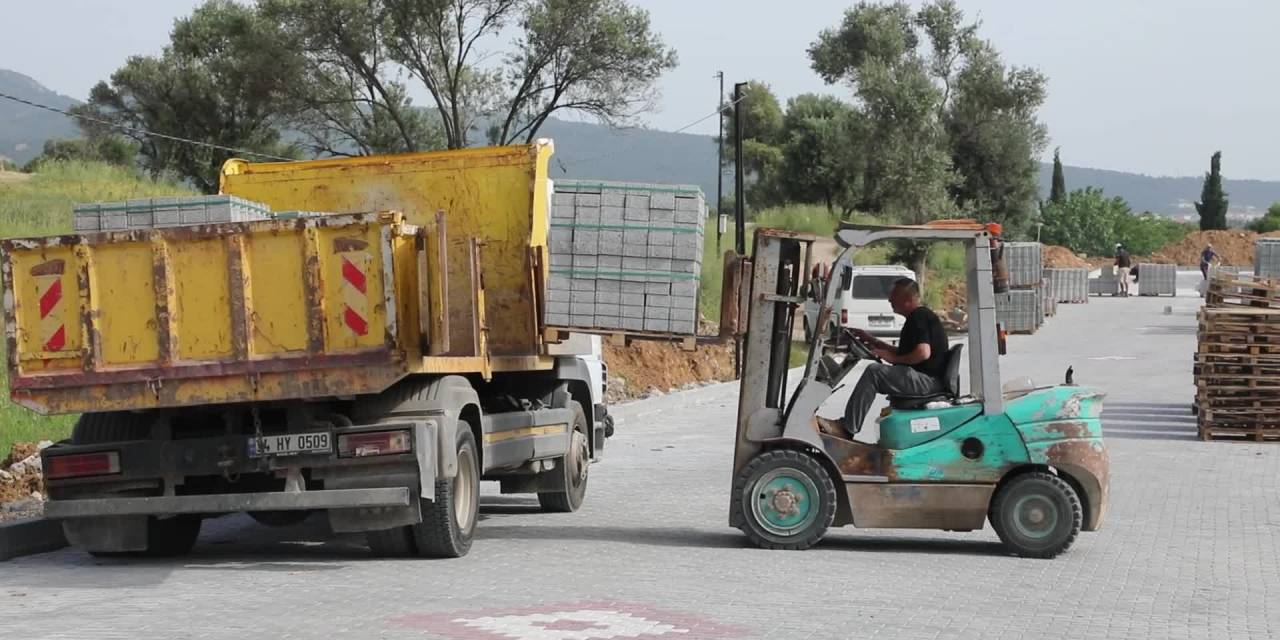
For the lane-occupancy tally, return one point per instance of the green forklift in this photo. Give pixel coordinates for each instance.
(1031, 460)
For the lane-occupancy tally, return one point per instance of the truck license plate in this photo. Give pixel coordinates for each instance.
(882, 321)
(290, 444)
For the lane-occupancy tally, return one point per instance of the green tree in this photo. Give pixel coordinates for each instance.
(950, 126)
(221, 80)
(1269, 222)
(1089, 222)
(762, 138)
(1086, 221)
(1058, 191)
(818, 158)
(600, 58)
(1212, 206)
(111, 149)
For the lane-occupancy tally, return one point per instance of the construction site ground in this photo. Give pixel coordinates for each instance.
(1190, 547)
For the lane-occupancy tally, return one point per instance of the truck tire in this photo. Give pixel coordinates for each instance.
(793, 521)
(118, 426)
(279, 518)
(449, 522)
(574, 467)
(167, 538)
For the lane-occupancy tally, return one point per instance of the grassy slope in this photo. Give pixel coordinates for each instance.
(41, 205)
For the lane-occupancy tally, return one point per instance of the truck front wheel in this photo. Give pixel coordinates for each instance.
(573, 466)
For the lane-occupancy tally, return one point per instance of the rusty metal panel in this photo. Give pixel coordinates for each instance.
(960, 507)
(206, 314)
(497, 195)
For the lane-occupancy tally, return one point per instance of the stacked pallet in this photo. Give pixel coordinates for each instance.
(1022, 308)
(151, 213)
(1237, 365)
(625, 257)
(1068, 285)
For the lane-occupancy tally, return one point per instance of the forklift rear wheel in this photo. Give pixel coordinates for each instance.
(785, 500)
(1036, 515)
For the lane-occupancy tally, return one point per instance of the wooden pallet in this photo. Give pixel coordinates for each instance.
(1234, 290)
(1252, 434)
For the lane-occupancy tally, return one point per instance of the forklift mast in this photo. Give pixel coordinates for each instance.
(780, 262)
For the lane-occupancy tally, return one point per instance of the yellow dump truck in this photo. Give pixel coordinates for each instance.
(374, 361)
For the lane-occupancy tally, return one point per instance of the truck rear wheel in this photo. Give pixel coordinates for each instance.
(574, 466)
(449, 522)
(166, 538)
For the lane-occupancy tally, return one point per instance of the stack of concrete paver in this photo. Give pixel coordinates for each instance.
(1237, 362)
(1022, 309)
(1266, 257)
(1068, 285)
(1157, 279)
(625, 257)
(150, 213)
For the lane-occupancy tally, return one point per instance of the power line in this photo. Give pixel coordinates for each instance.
(144, 132)
(680, 130)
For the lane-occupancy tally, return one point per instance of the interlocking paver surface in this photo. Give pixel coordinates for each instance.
(1188, 550)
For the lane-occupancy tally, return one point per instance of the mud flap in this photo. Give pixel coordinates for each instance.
(114, 534)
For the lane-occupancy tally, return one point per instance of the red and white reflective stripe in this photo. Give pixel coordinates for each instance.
(355, 297)
(53, 332)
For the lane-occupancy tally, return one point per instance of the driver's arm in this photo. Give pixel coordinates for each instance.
(915, 356)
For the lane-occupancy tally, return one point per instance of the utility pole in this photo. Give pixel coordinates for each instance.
(739, 198)
(720, 217)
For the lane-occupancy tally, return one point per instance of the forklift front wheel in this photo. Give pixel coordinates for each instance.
(785, 500)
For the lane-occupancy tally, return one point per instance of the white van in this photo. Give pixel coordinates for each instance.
(864, 304)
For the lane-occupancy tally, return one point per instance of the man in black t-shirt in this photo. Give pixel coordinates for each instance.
(914, 368)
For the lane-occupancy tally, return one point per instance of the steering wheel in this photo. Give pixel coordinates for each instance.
(860, 350)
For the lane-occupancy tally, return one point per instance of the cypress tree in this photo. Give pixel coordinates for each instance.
(1058, 192)
(1213, 201)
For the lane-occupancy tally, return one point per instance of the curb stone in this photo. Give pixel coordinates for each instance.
(27, 537)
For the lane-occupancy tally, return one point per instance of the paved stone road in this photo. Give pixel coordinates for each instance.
(1189, 549)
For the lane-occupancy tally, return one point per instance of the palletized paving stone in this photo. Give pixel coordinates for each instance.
(642, 238)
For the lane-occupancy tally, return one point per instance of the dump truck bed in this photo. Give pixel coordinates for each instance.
(212, 313)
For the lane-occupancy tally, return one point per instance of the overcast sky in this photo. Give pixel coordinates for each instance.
(1134, 85)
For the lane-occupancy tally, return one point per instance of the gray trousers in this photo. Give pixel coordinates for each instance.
(893, 380)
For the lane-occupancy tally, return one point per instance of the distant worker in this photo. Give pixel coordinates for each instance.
(915, 367)
(1207, 257)
(1123, 263)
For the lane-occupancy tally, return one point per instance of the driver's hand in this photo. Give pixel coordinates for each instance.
(862, 335)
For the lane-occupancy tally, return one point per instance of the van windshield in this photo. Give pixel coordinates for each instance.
(871, 287)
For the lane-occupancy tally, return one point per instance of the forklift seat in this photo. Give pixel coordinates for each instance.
(950, 383)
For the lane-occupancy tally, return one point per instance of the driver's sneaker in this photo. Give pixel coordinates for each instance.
(833, 428)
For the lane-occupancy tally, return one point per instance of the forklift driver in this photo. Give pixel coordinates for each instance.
(916, 367)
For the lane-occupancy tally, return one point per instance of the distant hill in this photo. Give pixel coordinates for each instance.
(586, 150)
(24, 129)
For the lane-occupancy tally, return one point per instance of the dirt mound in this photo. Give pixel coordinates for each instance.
(18, 477)
(1234, 246)
(1056, 257)
(649, 365)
